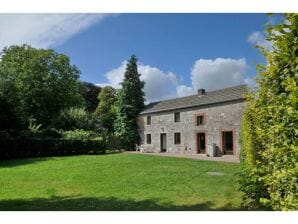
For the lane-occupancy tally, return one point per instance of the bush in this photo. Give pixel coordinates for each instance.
(269, 126)
(80, 135)
(8, 118)
(50, 142)
(113, 143)
(36, 147)
(49, 133)
(73, 118)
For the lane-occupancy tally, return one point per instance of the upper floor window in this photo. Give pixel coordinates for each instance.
(177, 117)
(148, 120)
(177, 138)
(200, 120)
(148, 138)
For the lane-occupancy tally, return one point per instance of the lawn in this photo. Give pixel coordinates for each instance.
(117, 182)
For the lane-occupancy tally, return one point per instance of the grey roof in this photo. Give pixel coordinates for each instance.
(212, 97)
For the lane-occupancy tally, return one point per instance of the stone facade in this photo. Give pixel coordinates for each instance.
(217, 118)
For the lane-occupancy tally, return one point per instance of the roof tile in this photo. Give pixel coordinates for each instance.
(217, 96)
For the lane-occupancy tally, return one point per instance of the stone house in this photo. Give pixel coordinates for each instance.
(205, 123)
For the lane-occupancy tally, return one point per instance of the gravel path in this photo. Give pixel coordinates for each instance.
(225, 158)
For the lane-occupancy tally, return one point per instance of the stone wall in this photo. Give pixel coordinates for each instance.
(219, 117)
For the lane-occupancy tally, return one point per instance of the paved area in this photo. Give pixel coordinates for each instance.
(225, 158)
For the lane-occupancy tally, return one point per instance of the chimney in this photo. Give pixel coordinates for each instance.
(201, 92)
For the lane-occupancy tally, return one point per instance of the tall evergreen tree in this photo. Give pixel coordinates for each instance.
(130, 102)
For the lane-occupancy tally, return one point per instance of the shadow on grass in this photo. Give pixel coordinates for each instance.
(6, 163)
(20, 162)
(103, 204)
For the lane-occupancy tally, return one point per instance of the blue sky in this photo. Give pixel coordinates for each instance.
(177, 52)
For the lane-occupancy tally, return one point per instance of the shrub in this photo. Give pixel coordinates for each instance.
(269, 126)
(80, 135)
(73, 118)
(8, 118)
(50, 133)
(113, 142)
(36, 147)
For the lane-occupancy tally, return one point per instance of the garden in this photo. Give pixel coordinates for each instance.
(46, 110)
(56, 130)
(118, 182)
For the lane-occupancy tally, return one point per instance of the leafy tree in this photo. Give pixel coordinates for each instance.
(43, 81)
(73, 118)
(269, 128)
(90, 92)
(8, 119)
(106, 110)
(130, 101)
(8, 107)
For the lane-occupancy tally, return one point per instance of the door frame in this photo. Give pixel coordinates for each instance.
(197, 142)
(233, 130)
(161, 142)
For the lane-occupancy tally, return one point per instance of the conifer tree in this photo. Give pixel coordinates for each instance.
(130, 102)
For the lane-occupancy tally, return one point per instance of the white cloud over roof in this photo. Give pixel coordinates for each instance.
(209, 74)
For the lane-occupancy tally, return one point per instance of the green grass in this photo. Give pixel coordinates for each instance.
(117, 182)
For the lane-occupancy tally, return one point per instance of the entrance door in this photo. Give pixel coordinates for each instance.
(163, 142)
(227, 142)
(201, 139)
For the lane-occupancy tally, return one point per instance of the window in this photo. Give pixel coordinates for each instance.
(148, 120)
(148, 138)
(177, 117)
(200, 120)
(177, 138)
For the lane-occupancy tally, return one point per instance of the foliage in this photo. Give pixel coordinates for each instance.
(90, 92)
(269, 128)
(113, 142)
(80, 135)
(8, 119)
(106, 110)
(49, 133)
(41, 83)
(130, 102)
(73, 118)
(33, 127)
(72, 143)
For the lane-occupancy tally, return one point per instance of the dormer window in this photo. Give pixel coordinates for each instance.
(148, 120)
(177, 117)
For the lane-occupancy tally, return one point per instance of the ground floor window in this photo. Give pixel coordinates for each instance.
(177, 138)
(227, 142)
(148, 138)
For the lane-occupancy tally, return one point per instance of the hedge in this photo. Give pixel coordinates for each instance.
(38, 147)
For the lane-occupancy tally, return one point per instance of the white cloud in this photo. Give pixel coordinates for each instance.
(43, 30)
(258, 38)
(215, 74)
(183, 90)
(159, 85)
(207, 74)
(251, 83)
